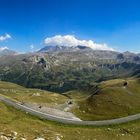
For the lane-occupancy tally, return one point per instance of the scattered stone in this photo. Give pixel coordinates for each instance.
(40, 106)
(3, 138)
(57, 138)
(66, 109)
(69, 102)
(14, 133)
(22, 139)
(126, 131)
(124, 87)
(36, 94)
(39, 139)
(109, 129)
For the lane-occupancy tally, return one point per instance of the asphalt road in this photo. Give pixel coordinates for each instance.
(65, 120)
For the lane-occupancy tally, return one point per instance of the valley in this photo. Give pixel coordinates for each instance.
(69, 70)
(72, 89)
(96, 104)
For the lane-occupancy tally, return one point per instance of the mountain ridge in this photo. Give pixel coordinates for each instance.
(6, 51)
(58, 48)
(61, 71)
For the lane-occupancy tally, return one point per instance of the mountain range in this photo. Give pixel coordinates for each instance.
(5, 51)
(63, 48)
(63, 68)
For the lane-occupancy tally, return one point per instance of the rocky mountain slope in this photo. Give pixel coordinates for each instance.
(63, 48)
(60, 69)
(5, 51)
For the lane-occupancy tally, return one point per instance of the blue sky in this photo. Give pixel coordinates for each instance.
(29, 22)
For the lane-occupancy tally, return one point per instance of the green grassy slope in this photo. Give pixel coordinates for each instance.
(30, 127)
(112, 100)
(22, 94)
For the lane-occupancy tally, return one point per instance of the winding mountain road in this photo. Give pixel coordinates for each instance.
(66, 120)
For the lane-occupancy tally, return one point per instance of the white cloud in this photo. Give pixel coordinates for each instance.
(5, 37)
(3, 48)
(70, 40)
(32, 46)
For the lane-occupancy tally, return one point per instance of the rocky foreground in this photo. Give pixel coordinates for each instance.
(13, 135)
